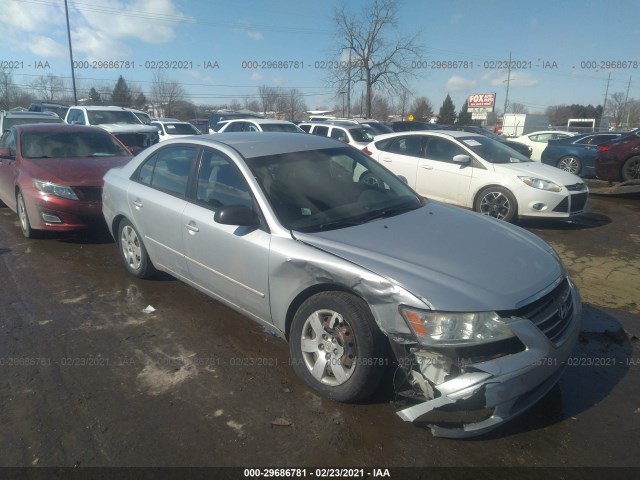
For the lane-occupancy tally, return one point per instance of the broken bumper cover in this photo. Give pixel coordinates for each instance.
(510, 384)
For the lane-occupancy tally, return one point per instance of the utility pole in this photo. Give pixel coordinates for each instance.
(506, 98)
(625, 101)
(73, 75)
(606, 95)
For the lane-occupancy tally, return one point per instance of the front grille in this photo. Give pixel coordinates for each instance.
(551, 314)
(91, 194)
(577, 202)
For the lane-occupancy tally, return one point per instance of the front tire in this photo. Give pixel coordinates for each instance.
(570, 164)
(23, 216)
(497, 202)
(133, 252)
(336, 346)
(631, 169)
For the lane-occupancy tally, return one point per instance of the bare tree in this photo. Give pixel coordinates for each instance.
(374, 59)
(49, 88)
(516, 107)
(616, 107)
(380, 108)
(293, 103)
(166, 93)
(8, 90)
(403, 98)
(268, 98)
(251, 104)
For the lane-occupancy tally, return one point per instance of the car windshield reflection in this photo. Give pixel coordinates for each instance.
(328, 189)
(493, 151)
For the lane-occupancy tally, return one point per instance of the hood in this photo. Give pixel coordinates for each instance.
(539, 170)
(453, 259)
(127, 128)
(75, 171)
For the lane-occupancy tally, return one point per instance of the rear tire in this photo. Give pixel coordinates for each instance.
(631, 169)
(570, 164)
(133, 252)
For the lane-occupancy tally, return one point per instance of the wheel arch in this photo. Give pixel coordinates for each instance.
(308, 293)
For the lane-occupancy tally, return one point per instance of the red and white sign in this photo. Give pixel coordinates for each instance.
(481, 100)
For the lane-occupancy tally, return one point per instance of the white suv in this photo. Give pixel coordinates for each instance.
(118, 121)
(258, 125)
(357, 135)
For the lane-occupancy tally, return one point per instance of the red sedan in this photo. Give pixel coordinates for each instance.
(619, 159)
(51, 174)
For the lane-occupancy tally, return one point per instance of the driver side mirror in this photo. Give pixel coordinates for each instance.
(462, 159)
(240, 215)
(6, 153)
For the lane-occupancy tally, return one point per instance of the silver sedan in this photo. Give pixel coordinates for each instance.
(329, 250)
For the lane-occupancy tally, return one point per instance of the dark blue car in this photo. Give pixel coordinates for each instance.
(576, 154)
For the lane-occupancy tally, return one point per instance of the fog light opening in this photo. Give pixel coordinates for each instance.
(51, 218)
(539, 207)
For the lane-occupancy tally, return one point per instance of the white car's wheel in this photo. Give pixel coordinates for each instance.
(497, 202)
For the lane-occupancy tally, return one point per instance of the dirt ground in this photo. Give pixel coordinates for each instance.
(89, 379)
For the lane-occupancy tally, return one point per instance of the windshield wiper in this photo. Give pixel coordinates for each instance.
(389, 212)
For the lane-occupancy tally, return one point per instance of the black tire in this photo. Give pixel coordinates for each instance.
(570, 164)
(23, 216)
(133, 252)
(351, 368)
(631, 169)
(497, 202)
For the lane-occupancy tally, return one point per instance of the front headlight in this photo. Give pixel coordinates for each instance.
(455, 329)
(541, 184)
(53, 189)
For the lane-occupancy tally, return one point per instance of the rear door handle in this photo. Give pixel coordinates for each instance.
(427, 167)
(387, 159)
(137, 203)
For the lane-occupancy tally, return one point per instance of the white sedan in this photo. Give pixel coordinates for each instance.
(538, 141)
(476, 172)
(169, 128)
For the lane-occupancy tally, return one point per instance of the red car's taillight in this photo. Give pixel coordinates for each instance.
(366, 151)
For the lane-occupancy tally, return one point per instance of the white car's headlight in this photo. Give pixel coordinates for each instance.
(53, 189)
(541, 184)
(454, 328)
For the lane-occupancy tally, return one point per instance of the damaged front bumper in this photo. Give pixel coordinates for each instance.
(503, 387)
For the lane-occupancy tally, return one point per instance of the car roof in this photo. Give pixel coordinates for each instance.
(267, 143)
(347, 125)
(27, 114)
(34, 127)
(259, 121)
(106, 107)
(433, 133)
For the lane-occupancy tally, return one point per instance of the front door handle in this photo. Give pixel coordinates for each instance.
(191, 226)
(427, 167)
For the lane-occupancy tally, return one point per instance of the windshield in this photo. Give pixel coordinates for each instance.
(491, 150)
(362, 134)
(280, 127)
(100, 117)
(319, 190)
(12, 122)
(70, 144)
(181, 129)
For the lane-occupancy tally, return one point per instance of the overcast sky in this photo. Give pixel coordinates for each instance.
(567, 49)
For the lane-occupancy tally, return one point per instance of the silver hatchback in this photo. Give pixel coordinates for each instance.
(328, 249)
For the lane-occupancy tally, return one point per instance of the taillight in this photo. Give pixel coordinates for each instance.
(604, 148)
(366, 151)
